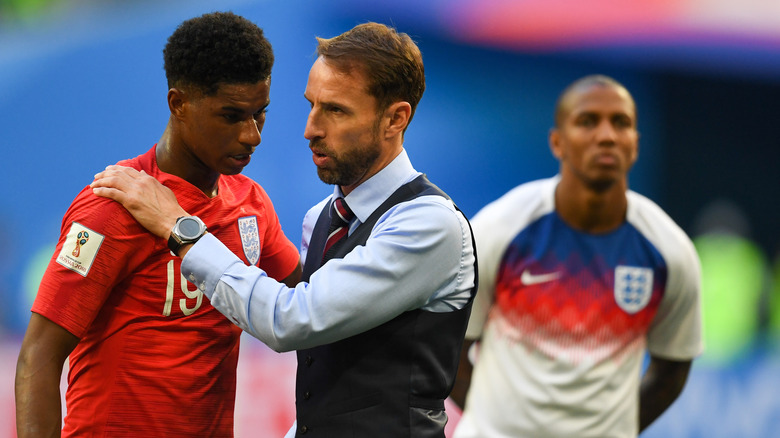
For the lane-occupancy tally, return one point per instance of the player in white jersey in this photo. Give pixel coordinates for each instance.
(579, 277)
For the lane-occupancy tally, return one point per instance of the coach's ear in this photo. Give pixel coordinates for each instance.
(396, 118)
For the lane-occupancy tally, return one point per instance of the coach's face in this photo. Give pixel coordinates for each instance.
(344, 127)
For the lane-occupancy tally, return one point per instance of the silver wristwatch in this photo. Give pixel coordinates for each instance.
(188, 229)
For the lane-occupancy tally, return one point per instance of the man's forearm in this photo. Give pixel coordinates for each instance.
(661, 385)
(38, 406)
(463, 377)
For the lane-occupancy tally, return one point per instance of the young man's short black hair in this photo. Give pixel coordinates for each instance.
(217, 48)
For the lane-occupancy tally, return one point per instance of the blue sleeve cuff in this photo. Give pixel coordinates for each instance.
(205, 262)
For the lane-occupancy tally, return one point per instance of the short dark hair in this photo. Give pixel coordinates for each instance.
(391, 60)
(217, 48)
(561, 111)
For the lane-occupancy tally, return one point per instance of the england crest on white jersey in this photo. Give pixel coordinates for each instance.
(633, 287)
(250, 238)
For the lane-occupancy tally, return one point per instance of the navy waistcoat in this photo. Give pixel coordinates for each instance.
(390, 381)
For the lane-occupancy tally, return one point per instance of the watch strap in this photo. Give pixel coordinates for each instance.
(173, 243)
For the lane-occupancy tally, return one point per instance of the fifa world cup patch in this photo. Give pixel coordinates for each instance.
(633, 287)
(250, 238)
(80, 249)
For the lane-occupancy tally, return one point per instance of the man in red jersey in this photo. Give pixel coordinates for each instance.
(148, 356)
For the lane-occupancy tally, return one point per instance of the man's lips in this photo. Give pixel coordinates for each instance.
(319, 159)
(606, 159)
(242, 159)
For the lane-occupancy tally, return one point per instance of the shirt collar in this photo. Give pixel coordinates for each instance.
(371, 193)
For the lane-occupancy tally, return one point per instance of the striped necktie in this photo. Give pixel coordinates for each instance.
(340, 215)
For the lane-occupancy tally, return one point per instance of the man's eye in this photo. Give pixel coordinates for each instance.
(623, 122)
(260, 114)
(233, 118)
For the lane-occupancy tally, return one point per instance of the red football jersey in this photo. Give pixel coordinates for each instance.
(155, 358)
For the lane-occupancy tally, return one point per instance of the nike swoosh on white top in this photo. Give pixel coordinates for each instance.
(527, 278)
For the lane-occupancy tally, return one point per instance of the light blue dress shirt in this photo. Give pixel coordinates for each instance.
(419, 255)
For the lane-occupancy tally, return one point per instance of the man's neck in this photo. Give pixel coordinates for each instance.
(589, 210)
(174, 159)
(383, 161)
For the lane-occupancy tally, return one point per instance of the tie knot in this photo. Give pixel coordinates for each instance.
(341, 211)
(340, 216)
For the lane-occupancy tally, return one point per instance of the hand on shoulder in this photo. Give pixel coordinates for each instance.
(152, 204)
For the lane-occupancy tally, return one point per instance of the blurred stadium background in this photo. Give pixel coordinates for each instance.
(82, 86)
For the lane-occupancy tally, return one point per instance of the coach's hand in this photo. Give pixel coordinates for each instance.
(152, 204)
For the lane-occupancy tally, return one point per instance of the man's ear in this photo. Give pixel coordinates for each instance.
(636, 151)
(554, 139)
(397, 115)
(176, 102)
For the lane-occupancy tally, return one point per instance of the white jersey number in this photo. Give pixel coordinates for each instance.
(194, 294)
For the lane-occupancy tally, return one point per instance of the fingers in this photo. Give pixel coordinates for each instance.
(110, 193)
(125, 179)
(122, 184)
(117, 177)
(127, 173)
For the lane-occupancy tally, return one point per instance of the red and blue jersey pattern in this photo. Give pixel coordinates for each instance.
(578, 296)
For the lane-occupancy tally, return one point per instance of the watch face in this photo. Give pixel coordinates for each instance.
(189, 228)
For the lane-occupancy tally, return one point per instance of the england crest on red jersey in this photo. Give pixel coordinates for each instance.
(250, 238)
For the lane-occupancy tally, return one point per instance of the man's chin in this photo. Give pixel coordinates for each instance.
(327, 176)
(601, 185)
(334, 178)
(231, 171)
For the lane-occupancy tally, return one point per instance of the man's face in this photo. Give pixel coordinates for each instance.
(597, 141)
(343, 126)
(221, 131)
